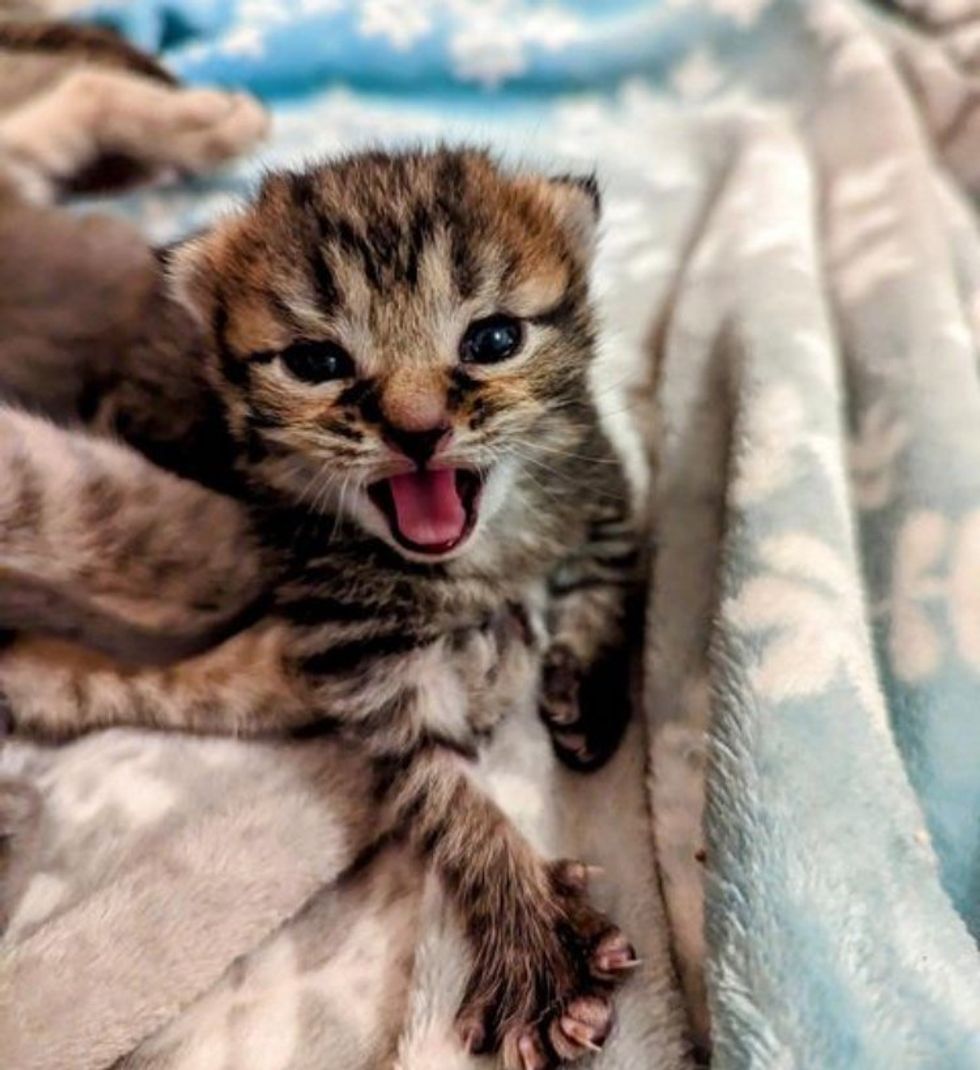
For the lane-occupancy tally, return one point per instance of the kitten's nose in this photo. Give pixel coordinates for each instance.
(418, 446)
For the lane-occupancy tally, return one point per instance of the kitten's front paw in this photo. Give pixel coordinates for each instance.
(542, 994)
(209, 127)
(585, 707)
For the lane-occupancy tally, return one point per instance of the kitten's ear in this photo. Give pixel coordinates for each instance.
(576, 203)
(185, 266)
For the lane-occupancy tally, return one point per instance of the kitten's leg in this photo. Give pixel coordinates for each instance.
(92, 534)
(94, 113)
(585, 675)
(545, 962)
(243, 687)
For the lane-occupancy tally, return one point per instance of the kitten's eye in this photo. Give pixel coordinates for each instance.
(318, 362)
(491, 340)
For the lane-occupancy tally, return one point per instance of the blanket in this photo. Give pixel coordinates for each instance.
(790, 283)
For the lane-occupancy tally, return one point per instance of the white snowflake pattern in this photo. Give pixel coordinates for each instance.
(44, 895)
(264, 12)
(698, 75)
(778, 444)
(321, 7)
(914, 646)
(807, 603)
(489, 42)
(742, 12)
(921, 586)
(128, 785)
(875, 448)
(243, 41)
(401, 25)
(487, 55)
(865, 240)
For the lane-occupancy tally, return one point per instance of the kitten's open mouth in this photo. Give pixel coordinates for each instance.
(429, 511)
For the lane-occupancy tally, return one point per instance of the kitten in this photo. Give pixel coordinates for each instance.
(82, 109)
(96, 547)
(399, 347)
(81, 313)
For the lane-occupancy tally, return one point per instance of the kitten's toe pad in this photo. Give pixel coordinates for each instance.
(528, 1052)
(561, 675)
(582, 1027)
(210, 127)
(585, 707)
(576, 730)
(613, 956)
(547, 1000)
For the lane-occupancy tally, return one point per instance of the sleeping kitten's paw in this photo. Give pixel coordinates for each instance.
(542, 995)
(585, 707)
(208, 128)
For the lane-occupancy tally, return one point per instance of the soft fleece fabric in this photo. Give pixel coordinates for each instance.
(790, 276)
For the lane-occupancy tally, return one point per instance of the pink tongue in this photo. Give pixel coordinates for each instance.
(428, 509)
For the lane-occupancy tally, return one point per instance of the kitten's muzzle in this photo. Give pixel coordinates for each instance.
(419, 446)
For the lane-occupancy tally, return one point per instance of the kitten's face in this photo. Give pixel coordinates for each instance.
(403, 341)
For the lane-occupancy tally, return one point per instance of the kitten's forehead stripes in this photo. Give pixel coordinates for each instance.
(303, 193)
(389, 247)
(282, 309)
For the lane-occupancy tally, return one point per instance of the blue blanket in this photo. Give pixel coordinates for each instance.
(789, 200)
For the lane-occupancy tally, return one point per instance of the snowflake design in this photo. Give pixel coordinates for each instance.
(243, 41)
(490, 40)
(400, 24)
(126, 785)
(487, 55)
(875, 449)
(779, 444)
(806, 603)
(264, 12)
(320, 7)
(921, 586)
(697, 76)
(742, 12)
(866, 245)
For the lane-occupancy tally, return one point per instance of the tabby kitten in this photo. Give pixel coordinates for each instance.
(85, 555)
(399, 347)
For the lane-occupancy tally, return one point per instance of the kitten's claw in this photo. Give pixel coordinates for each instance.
(574, 876)
(529, 1052)
(582, 1028)
(585, 1024)
(612, 956)
(472, 1035)
(547, 1000)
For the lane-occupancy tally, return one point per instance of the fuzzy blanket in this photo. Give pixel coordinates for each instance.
(790, 278)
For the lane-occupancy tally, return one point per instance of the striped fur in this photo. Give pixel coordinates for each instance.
(391, 257)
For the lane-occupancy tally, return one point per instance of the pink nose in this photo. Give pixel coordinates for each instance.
(418, 446)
